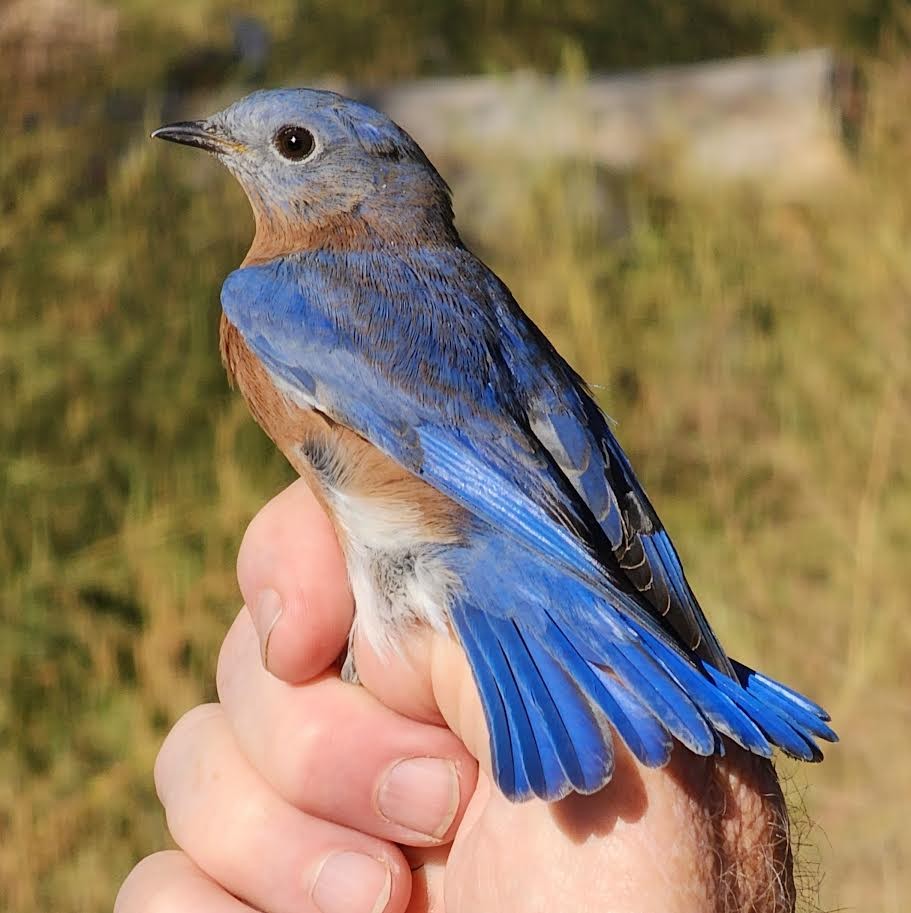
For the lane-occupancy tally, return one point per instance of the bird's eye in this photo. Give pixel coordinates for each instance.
(294, 143)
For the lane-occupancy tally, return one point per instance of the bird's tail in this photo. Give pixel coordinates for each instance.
(550, 692)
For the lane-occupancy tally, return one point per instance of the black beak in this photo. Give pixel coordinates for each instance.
(198, 133)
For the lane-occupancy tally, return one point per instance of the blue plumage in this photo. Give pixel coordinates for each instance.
(570, 600)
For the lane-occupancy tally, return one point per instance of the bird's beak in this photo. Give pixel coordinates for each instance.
(199, 133)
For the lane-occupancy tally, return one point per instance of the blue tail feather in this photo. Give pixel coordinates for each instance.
(645, 737)
(778, 728)
(721, 711)
(560, 768)
(586, 733)
(513, 749)
(756, 681)
(794, 711)
(553, 721)
(550, 779)
(642, 734)
(654, 687)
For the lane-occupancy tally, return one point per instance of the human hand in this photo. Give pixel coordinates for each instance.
(293, 792)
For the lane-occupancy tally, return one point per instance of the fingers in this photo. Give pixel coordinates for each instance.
(343, 756)
(259, 848)
(169, 882)
(293, 578)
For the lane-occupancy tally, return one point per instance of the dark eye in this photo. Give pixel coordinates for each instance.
(294, 143)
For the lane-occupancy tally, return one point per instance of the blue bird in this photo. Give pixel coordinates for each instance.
(474, 483)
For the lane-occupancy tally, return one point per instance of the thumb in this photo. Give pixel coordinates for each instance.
(292, 575)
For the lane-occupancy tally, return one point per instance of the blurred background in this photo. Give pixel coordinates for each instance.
(722, 249)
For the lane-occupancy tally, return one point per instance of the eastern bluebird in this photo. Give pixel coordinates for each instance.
(474, 483)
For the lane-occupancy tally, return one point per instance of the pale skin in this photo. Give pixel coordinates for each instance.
(299, 793)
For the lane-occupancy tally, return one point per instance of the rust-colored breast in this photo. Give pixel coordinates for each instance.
(348, 463)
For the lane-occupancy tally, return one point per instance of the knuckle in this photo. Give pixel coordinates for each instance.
(179, 751)
(310, 740)
(153, 886)
(209, 807)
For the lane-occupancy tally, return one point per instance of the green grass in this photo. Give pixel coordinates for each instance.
(754, 351)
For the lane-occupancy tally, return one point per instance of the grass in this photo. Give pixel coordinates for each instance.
(754, 350)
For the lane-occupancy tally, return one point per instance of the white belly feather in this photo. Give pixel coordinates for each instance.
(398, 573)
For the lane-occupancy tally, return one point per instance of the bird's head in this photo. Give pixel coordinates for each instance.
(322, 170)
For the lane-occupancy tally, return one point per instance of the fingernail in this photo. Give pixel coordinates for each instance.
(352, 883)
(421, 794)
(266, 612)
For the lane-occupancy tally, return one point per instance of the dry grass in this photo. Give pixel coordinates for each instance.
(754, 351)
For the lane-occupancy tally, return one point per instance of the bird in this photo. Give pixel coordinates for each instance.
(475, 485)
